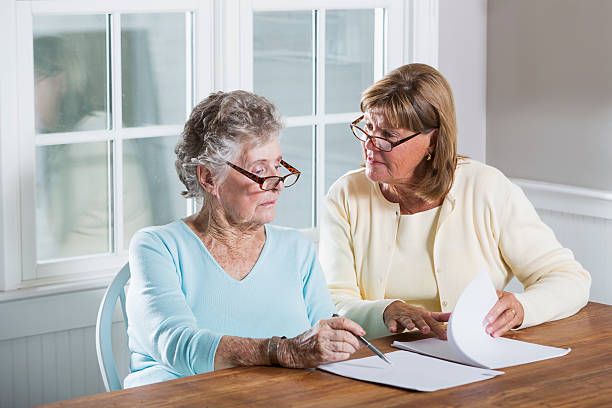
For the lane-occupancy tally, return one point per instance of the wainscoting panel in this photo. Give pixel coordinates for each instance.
(590, 238)
(56, 366)
(582, 221)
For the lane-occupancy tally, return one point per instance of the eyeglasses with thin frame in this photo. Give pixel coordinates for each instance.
(379, 142)
(271, 182)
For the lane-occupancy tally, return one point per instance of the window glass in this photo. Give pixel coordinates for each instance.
(283, 60)
(153, 69)
(343, 152)
(349, 58)
(70, 73)
(151, 187)
(72, 200)
(294, 206)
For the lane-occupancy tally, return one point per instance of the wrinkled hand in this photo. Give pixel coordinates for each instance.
(505, 314)
(327, 341)
(399, 316)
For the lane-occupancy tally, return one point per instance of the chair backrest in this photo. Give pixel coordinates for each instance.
(104, 345)
(312, 234)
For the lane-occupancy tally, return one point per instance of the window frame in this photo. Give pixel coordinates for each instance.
(199, 82)
(222, 60)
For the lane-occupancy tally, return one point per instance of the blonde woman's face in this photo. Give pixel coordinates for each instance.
(399, 165)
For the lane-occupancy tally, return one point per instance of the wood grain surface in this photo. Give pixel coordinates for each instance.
(583, 378)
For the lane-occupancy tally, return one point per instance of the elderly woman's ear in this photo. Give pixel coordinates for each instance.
(206, 180)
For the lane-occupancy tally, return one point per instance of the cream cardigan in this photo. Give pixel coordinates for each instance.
(485, 222)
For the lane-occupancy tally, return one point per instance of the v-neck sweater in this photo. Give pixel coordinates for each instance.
(180, 301)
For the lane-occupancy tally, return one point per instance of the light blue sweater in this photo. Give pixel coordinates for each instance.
(180, 302)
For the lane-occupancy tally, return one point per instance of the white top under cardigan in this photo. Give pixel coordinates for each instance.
(411, 274)
(485, 222)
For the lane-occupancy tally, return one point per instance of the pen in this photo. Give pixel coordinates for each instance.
(369, 345)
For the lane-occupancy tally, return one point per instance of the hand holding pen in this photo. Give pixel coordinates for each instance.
(328, 341)
(369, 345)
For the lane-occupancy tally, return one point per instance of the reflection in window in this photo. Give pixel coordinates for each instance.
(153, 69)
(294, 207)
(154, 197)
(70, 73)
(282, 60)
(349, 58)
(343, 152)
(75, 184)
(72, 200)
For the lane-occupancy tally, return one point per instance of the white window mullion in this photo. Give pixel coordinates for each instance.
(190, 74)
(380, 25)
(27, 139)
(245, 28)
(329, 119)
(203, 45)
(116, 181)
(319, 191)
(73, 137)
(148, 131)
(189, 61)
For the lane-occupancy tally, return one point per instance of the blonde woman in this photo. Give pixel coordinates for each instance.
(402, 237)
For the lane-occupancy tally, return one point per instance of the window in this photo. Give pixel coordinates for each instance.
(103, 89)
(314, 64)
(110, 91)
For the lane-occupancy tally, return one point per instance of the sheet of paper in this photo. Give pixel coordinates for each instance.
(468, 341)
(432, 347)
(411, 371)
(507, 352)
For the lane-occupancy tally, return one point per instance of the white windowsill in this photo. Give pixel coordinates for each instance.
(57, 286)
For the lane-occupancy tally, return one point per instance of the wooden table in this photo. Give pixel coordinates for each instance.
(583, 378)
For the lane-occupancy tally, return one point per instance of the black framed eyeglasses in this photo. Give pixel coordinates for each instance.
(379, 142)
(271, 182)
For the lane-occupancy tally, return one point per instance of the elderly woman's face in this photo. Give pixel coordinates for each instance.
(242, 199)
(399, 165)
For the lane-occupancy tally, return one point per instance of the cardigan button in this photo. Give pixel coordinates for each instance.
(444, 303)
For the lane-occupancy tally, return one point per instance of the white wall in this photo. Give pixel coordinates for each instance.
(462, 60)
(549, 109)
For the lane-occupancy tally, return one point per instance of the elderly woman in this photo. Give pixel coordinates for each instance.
(219, 288)
(402, 237)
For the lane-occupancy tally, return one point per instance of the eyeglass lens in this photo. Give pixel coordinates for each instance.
(272, 182)
(378, 142)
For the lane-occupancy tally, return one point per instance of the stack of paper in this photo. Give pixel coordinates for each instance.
(468, 343)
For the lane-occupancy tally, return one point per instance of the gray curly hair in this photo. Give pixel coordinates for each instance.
(219, 129)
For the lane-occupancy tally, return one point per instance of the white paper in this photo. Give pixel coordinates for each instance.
(469, 343)
(411, 371)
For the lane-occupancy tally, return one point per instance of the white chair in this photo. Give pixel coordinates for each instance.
(104, 345)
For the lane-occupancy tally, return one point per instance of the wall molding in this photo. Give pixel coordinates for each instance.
(567, 199)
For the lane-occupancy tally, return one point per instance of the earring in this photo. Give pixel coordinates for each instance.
(428, 156)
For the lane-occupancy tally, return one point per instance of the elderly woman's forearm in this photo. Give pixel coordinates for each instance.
(240, 351)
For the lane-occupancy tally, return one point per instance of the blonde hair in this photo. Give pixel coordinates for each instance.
(418, 97)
